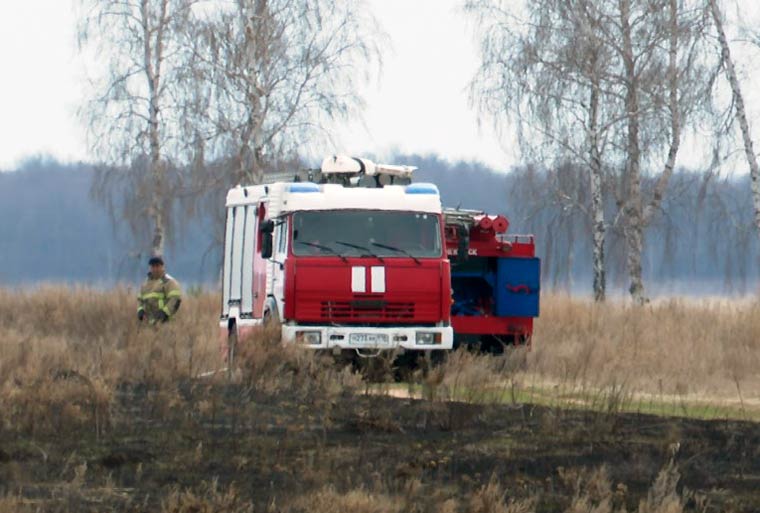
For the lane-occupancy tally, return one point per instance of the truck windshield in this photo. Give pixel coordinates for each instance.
(355, 233)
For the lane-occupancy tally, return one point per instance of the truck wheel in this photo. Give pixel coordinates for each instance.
(496, 345)
(405, 365)
(438, 357)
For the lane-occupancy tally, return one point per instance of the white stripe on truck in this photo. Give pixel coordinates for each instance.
(358, 279)
(378, 279)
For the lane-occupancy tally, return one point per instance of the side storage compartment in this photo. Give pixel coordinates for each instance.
(240, 246)
(518, 284)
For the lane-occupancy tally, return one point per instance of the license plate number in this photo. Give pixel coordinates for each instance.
(368, 338)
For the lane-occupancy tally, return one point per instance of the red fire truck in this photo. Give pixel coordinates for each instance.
(495, 280)
(353, 259)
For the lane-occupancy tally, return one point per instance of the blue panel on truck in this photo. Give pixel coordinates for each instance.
(518, 284)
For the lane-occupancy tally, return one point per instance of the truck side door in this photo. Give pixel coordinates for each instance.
(279, 255)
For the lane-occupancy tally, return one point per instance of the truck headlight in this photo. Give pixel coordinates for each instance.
(312, 338)
(428, 338)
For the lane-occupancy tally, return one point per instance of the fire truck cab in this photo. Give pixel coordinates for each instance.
(357, 261)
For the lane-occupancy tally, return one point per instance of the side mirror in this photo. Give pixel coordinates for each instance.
(265, 229)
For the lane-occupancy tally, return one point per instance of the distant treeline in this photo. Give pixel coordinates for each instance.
(52, 230)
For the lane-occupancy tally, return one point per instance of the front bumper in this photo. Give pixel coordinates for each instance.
(372, 338)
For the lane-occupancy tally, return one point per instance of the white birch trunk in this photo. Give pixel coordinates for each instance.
(249, 151)
(153, 58)
(741, 113)
(675, 118)
(597, 200)
(633, 208)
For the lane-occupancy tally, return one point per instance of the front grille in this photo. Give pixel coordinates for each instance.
(366, 309)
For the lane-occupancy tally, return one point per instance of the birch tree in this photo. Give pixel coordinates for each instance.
(740, 110)
(280, 72)
(549, 76)
(658, 40)
(131, 119)
(634, 56)
(584, 80)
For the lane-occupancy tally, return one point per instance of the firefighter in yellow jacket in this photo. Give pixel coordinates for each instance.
(160, 295)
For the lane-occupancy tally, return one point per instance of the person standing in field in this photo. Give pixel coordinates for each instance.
(160, 295)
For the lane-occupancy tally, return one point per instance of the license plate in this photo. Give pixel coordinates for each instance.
(368, 338)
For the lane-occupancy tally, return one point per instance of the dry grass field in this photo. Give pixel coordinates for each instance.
(97, 415)
(680, 351)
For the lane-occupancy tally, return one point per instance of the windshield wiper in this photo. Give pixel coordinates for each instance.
(400, 250)
(362, 248)
(323, 247)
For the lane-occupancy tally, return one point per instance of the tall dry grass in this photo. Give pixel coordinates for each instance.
(593, 492)
(676, 347)
(68, 350)
(64, 353)
(95, 333)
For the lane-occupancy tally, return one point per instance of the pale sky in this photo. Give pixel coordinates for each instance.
(39, 87)
(421, 101)
(419, 104)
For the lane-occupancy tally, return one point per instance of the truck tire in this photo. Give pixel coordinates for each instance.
(493, 345)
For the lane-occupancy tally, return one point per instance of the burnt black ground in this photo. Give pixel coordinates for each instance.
(275, 447)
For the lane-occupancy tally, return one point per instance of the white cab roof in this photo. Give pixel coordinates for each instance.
(291, 197)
